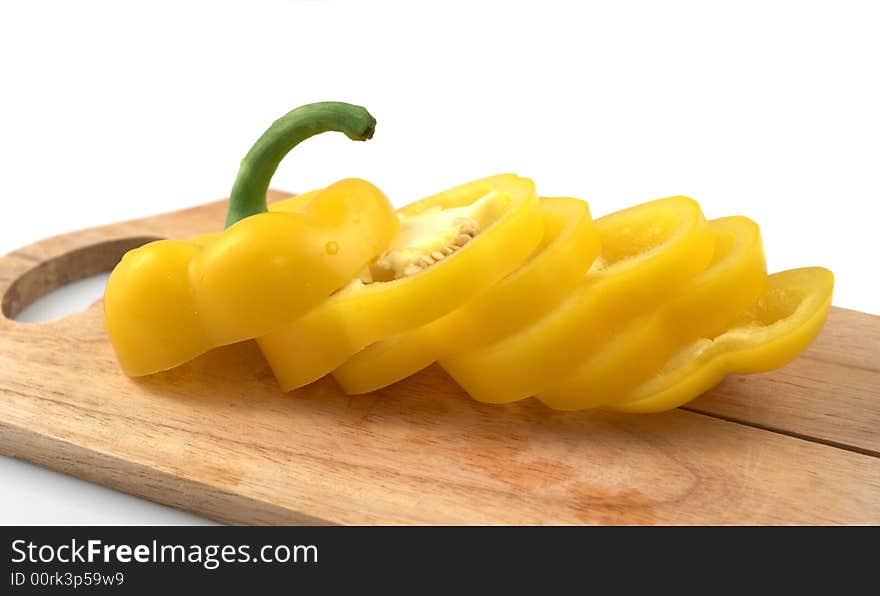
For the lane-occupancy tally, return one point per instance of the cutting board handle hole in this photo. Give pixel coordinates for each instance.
(67, 283)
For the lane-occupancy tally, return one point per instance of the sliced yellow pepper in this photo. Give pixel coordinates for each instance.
(649, 252)
(451, 247)
(568, 248)
(705, 307)
(778, 328)
(168, 301)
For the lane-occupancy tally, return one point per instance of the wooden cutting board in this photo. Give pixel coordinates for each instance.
(216, 436)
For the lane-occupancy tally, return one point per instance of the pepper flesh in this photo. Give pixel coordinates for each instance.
(708, 305)
(169, 301)
(779, 327)
(366, 312)
(649, 252)
(568, 248)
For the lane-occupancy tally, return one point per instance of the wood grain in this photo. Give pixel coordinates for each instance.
(217, 437)
(831, 393)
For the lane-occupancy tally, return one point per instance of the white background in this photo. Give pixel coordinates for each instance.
(115, 110)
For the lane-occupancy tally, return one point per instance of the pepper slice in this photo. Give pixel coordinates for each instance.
(568, 248)
(777, 329)
(708, 305)
(168, 301)
(649, 252)
(451, 247)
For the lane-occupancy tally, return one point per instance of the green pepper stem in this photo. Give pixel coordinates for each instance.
(248, 196)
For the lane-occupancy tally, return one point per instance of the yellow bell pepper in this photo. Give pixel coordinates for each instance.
(169, 301)
(649, 252)
(558, 264)
(778, 328)
(451, 247)
(708, 305)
